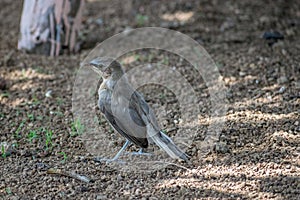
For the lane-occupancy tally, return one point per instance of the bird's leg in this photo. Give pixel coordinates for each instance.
(116, 156)
(121, 150)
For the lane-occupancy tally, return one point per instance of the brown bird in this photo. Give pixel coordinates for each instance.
(128, 112)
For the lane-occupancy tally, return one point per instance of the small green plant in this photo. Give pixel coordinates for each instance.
(8, 191)
(18, 112)
(59, 101)
(162, 96)
(77, 128)
(17, 132)
(111, 130)
(136, 57)
(165, 61)
(39, 117)
(49, 138)
(141, 19)
(3, 153)
(150, 58)
(30, 117)
(13, 124)
(64, 155)
(5, 94)
(32, 135)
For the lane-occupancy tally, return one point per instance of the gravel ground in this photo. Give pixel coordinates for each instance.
(258, 156)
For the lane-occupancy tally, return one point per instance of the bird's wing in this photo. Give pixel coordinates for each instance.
(145, 113)
(105, 108)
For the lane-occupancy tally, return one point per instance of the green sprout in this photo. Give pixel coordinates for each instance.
(64, 155)
(136, 57)
(111, 130)
(77, 128)
(13, 124)
(59, 101)
(141, 19)
(30, 117)
(3, 153)
(162, 96)
(32, 135)
(17, 132)
(8, 191)
(48, 139)
(5, 94)
(150, 58)
(165, 61)
(18, 112)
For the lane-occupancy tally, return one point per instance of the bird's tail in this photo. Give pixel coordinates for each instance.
(165, 143)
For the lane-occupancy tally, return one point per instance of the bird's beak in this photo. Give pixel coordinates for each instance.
(96, 62)
(95, 65)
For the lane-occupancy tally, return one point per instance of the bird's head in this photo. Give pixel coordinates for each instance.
(106, 67)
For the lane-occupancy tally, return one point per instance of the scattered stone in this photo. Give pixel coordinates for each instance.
(282, 80)
(282, 89)
(99, 21)
(273, 35)
(48, 94)
(241, 73)
(284, 52)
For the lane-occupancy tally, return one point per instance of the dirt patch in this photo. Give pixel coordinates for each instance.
(258, 156)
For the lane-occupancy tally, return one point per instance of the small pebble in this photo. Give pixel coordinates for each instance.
(48, 94)
(282, 79)
(242, 73)
(282, 89)
(284, 52)
(99, 21)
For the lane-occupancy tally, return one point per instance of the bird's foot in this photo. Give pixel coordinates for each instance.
(139, 153)
(116, 157)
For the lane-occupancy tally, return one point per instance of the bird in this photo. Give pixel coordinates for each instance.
(127, 111)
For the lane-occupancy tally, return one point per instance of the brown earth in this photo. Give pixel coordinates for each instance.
(258, 156)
